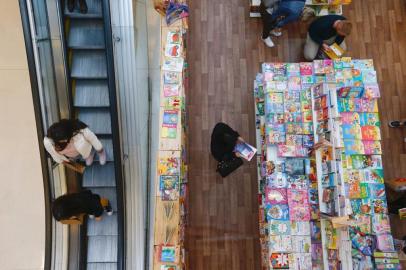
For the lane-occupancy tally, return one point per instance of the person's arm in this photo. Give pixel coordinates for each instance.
(54, 154)
(92, 138)
(314, 32)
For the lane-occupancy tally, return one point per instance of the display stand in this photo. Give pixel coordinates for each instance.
(171, 175)
(320, 7)
(345, 177)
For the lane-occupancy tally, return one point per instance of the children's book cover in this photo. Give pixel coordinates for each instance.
(300, 228)
(385, 242)
(354, 147)
(281, 86)
(292, 96)
(367, 105)
(293, 107)
(377, 191)
(278, 180)
(352, 176)
(275, 118)
(372, 147)
(369, 77)
(364, 190)
(278, 227)
(313, 196)
(169, 166)
(170, 118)
(297, 182)
(308, 141)
(301, 244)
(171, 90)
(307, 128)
(169, 133)
(279, 260)
(292, 139)
(169, 187)
(381, 224)
(293, 69)
(317, 251)
(173, 50)
(277, 211)
(371, 91)
(174, 64)
(295, 117)
(363, 222)
(307, 80)
(314, 212)
(351, 132)
(297, 197)
(373, 176)
(286, 150)
(350, 118)
(353, 190)
(173, 78)
(294, 166)
(267, 168)
(380, 206)
(276, 195)
(305, 95)
(280, 243)
(306, 69)
(174, 37)
(370, 119)
(294, 83)
(168, 254)
(371, 133)
(169, 267)
(307, 117)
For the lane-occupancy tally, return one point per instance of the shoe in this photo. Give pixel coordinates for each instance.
(102, 157)
(89, 159)
(276, 32)
(108, 209)
(83, 6)
(268, 41)
(71, 5)
(395, 124)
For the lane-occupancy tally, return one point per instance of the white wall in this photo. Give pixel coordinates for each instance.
(22, 220)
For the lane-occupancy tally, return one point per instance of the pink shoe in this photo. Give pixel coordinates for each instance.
(89, 159)
(102, 157)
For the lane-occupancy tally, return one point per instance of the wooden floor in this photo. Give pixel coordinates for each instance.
(225, 52)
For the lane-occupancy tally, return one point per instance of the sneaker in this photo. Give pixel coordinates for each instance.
(89, 159)
(83, 6)
(108, 209)
(276, 32)
(71, 5)
(268, 41)
(102, 157)
(395, 124)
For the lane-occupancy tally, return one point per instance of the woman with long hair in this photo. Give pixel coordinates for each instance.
(68, 140)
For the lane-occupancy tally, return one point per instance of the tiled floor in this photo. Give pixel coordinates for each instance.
(225, 52)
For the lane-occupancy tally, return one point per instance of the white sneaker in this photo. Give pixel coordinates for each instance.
(276, 33)
(102, 157)
(268, 41)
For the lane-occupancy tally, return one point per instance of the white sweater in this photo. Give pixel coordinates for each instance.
(83, 142)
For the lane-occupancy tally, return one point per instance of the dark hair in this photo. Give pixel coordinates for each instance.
(66, 206)
(65, 129)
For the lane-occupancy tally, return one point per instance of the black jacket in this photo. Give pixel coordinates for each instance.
(223, 141)
(322, 29)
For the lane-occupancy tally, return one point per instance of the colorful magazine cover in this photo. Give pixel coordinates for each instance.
(279, 260)
(245, 150)
(168, 254)
(169, 187)
(279, 227)
(277, 211)
(280, 243)
(169, 166)
(300, 228)
(297, 182)
(277, 180)
(276, 195)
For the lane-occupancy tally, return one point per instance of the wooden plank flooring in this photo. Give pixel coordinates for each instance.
(224, 53)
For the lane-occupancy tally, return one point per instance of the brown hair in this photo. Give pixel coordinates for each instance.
(346, 27)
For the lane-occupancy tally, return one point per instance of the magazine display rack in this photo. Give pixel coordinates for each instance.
(171, 175)
(338, 188)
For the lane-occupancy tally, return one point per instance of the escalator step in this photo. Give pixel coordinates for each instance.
(102, 248)
(98, 119)
(106, 226)
(94, 10)
(99, 176)
(89, 64)
(107, 192)
(101, 266)
(86, 34)
(91, 93)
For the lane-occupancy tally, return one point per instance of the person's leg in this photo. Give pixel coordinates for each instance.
(89, 159)
(106, 206)
(311, 49)
(71, 5)
(291, 11)
(83, 6)
(267, 21)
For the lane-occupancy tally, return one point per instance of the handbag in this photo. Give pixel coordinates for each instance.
(226, 167)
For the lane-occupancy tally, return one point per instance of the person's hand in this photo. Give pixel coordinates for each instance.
(101, 151)
(237, 154)
(241, 139)
(326, 47)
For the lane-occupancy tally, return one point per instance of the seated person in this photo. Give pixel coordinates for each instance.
(71, 208)
(223, 141)
(286, 11)
(325, 31)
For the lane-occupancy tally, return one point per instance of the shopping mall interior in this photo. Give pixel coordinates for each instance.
(144, 84)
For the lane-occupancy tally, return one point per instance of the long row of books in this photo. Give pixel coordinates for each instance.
(171, 176)
(326, 208)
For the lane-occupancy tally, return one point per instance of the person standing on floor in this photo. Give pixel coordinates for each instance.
(82, 6)
(325, 31)
(71, 208)
(68, 140)
(284, 12)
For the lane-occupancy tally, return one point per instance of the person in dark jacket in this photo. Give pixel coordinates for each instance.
(82, 6)
(325, 31)
(284, 12)
(223, 141)
(71, 208)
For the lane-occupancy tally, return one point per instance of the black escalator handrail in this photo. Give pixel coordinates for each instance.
(40, 131)
(115, 136)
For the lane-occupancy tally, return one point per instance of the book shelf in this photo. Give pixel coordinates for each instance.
(171, 175)
(343, 196)
(320, 8)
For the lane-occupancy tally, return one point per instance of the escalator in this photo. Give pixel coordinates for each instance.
(91, 78)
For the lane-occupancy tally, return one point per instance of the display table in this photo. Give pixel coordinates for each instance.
(320, 7)
(321, 187)
(171, 176)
